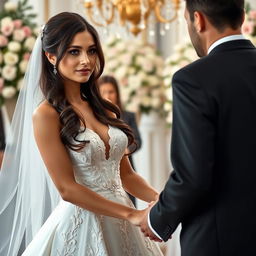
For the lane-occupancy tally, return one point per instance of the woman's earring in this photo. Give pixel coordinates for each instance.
(55, 70)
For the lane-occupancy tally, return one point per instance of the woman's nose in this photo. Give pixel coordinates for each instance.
(84, 59)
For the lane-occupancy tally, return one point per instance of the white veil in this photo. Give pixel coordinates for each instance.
(27, 194)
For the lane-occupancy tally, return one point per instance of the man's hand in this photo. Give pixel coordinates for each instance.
(145, 229)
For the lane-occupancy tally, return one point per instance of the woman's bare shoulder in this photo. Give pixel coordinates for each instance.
(45, 113)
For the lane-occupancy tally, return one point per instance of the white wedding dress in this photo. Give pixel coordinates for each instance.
(71, 230)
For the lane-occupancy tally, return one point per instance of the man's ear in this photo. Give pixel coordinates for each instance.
(199, 21)
(52, 58)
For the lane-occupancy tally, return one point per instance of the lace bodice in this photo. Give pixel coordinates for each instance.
(91, 166)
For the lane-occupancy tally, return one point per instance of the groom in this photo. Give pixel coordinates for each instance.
(212, 189)
(2, 138)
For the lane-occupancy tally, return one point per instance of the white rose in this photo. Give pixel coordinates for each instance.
(126, 59)
(131, 70)
(167, 71)
(29, 43)
(169, 93)
(9, 72)
(11, 58)
(6, 21)
(7, 26)
(140, 60)
(18, 35)
(121, 72)
(167, 106)
(153, 80)
(112, 64)
(134, 82)
(8, 92)
(133, 106)
(141, 76)
(148, 66)
(142, 91)
(125, 92)
(111, 52)
(14, 46)
(120, 46)
(20, 84)
(146, 101)
(158, 60)
(167, 81)
(156, 102)
(10, 6)
(23, 66)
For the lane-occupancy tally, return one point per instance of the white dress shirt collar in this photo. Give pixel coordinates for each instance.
(224, 40)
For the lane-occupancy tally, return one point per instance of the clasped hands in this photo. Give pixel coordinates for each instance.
(140, 219)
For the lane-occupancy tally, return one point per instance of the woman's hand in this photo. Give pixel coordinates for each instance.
(136, 216)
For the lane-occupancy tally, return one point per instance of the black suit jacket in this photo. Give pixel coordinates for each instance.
(212, 189)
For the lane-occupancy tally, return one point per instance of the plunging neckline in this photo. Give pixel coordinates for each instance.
(105, 144)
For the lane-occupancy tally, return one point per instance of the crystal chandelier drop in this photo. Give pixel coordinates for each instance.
(134, 14)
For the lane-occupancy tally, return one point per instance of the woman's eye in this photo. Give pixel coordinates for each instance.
(74, 52)
(92, 51)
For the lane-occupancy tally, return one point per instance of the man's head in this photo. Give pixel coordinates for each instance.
(223, 17)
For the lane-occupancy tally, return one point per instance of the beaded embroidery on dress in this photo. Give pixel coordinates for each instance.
(73, 231)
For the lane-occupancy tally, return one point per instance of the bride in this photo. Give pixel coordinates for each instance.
(81, 141)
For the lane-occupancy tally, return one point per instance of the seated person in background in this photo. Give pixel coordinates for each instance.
(109, 89)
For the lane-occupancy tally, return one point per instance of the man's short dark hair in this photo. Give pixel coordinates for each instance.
(221, 13)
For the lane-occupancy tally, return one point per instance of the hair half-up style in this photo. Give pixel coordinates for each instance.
(57, 35)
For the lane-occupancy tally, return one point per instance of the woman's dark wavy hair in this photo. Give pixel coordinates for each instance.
(221, 13)
(56, 37)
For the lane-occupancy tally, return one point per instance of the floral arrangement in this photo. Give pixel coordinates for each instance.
(138, 69)
(249, 25)
(17, 38)
(183, 55)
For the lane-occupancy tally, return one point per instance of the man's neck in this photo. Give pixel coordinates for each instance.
(216, 35)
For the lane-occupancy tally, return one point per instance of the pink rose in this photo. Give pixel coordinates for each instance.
(18, 35)
(3, 41)
(247, 28)
(27, 31)
(252, 14)
(17, 23)
(7, 29)
(26, 56)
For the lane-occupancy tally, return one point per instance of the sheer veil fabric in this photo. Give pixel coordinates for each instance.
(27, 194)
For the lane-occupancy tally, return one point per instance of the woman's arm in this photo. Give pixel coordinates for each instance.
(55, 156)
(134, 184)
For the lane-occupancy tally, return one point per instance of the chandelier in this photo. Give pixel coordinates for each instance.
(134, 14)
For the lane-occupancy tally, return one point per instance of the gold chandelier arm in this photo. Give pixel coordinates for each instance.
(110, 19)
(160, 18)
(89, 7)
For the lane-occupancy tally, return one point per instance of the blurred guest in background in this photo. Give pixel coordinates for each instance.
(109, 89)
(2, 137)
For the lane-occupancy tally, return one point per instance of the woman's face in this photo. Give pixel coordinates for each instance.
(108, 92)
(79, 61)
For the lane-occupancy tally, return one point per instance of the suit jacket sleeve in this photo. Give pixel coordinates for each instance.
(192, 154)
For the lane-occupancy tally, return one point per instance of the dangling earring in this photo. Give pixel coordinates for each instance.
(55, 70)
